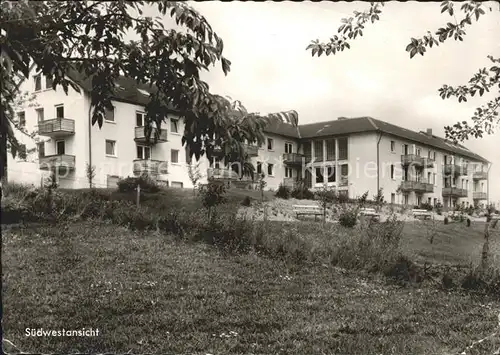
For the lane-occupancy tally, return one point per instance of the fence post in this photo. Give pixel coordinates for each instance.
(138, 198)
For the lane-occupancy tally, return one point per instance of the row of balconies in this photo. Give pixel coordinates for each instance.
(62, 127)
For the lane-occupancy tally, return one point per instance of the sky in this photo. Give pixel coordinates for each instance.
(271, 71)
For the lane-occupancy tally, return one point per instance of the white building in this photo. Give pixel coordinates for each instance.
(354, 155)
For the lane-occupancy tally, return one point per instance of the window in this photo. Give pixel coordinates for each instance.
(405, 199)
(343, 154)
(139, 119)
(259, 167)
(318, 150)
(21, 117)
(270, 144)
(393, 198)
(434, 156)
(48, 82)
(418, 151)
(174, 125)
(270, 169)
(60, 147)
(307, 151)
(41, 149)
(330, 171)
(143, 152)
(38, 82)
(60, 111)
(39, 115)
(288, 172)
(330, 149)
(288, 147)
(405, 149)
(319, 176)
(109, 115)
(174, 156)
(429, 178)
(393, 146)
(110, 148)
(392, 172)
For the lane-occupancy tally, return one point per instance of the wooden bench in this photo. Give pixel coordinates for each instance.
(307, 210)
(369, 212)
(421, 213)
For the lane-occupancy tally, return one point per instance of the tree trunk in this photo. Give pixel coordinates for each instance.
(486, 245)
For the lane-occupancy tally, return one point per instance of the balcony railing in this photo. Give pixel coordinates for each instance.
(222, 174)
(480, 175)
(61, 161)
(150, 167)
(417, 160)
(454, 169)
(57, 127)
(455, 192)
(479, 195)
(417, 186)
(141, 137)
(290, 182)
(252, 150)
(293, 158)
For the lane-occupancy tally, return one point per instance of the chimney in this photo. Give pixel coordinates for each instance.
(429, 131)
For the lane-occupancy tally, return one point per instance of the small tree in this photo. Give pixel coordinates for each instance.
(262, 184)
(326, 195)
(212, 195)
(379, 199)
(90, 173)
(194, 174)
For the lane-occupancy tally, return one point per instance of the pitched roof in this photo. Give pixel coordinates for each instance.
(336, 127)
(276, 126)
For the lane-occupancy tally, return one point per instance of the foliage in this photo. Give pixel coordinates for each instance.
(90, 174)
(485, 118)
(63, 39)
(212, 195)
(302, 192)
(283, 192)
(378, 199)
(247, 202)
(426, 206)
(446, 220)
(194, 174)
(146, 183)
(348, 218)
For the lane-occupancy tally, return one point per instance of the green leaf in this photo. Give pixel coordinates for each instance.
(413, 52)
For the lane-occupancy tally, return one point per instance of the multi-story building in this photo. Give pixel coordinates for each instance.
(353, 155)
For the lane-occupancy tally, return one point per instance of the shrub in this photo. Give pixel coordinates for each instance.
(301, 192)
(446, 221)
(283, 192)
(146, 183)
(426, 206)
(212, 195)
(478, 279)
(247, 202)
(348, 217)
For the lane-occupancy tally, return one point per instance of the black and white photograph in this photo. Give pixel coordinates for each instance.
(250, 177)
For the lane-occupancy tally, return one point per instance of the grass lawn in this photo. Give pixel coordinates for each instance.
(147, 293)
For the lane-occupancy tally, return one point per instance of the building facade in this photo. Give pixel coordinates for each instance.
(352, 155)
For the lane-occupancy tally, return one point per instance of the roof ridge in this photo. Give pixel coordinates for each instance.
(370, 119)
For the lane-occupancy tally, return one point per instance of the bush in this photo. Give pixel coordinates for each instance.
(283, 192)
(348, 217)
(247, 202)
(446, 221)
(482, 280)
(301, 192)
(129, 184)
(426, 206)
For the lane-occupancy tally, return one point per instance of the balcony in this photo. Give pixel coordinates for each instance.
(293, 158)
(416, 160)
(479, 195)
(150, 167)
(221, 174)
(454, 192)
(480, 175)
(454, 169)
(57, 127)
(62, 162)
(417, 186)
(251, 150)
(140, 137)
